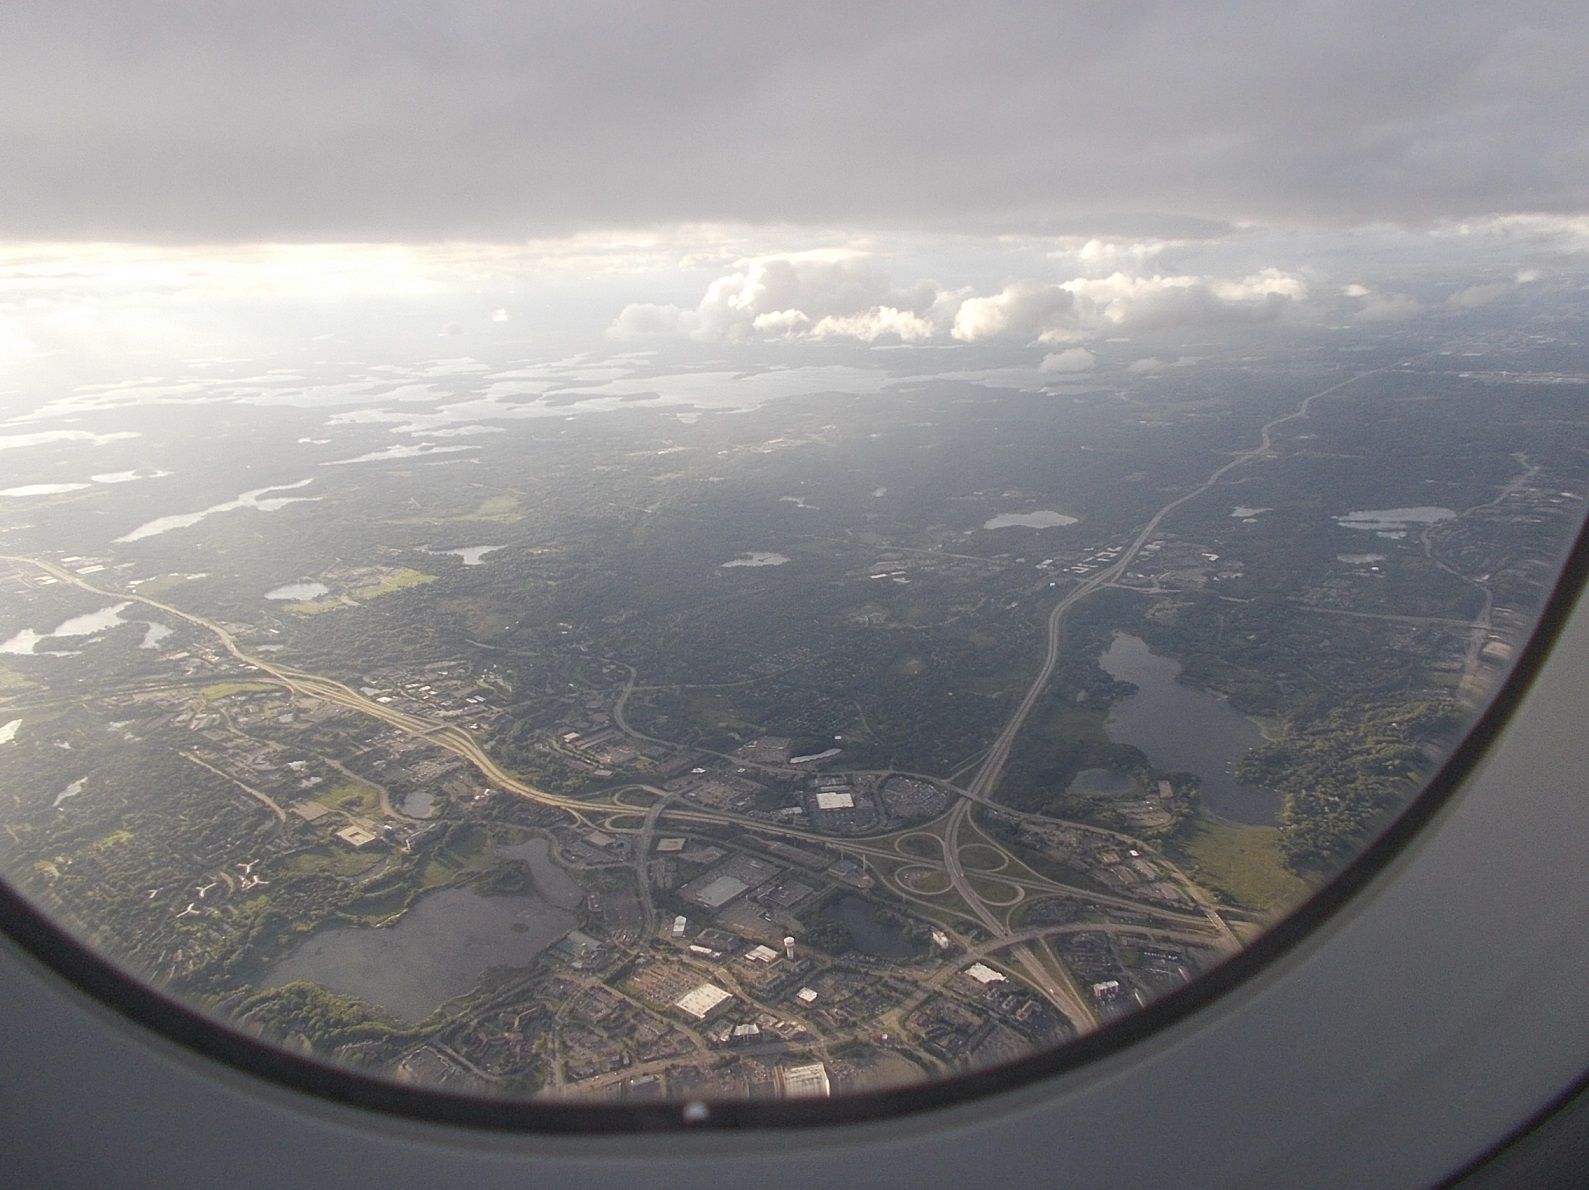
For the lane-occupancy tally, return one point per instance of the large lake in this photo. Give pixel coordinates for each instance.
(1181, 727)
(443, 945)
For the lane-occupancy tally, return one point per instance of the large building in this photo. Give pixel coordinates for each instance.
(804, 1082)
(702, 1000)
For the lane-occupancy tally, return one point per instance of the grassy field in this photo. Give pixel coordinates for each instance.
(1243, 862)
(11, 680)
(501, 509)
(399, 579)
(219, 690)
(393, 580)
(355, 799)
(980, 857)
(314, 607)
(331, 861)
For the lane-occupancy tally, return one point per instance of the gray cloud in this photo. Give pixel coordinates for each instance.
(403, 119)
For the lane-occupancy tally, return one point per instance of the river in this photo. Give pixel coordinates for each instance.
(1181, 727)
(445, 942)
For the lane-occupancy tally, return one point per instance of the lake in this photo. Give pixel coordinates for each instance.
(298, 591)
(43, 489)
(400, 452)
(259, 500)
(871, 936)
(72, 790)
(1393, 520)
(417, 803)
(756, 558)
(1181, 727)
(1042, 519)
(471, 554)
(22, 644)
(441, 947)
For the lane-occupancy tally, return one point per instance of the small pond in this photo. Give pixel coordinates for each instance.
(871, 935)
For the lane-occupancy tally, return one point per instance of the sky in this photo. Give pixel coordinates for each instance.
(900, 173)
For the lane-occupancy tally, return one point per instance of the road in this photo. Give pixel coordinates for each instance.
(269, 801)
(981, 786)
(445, 735)
(1057, 985)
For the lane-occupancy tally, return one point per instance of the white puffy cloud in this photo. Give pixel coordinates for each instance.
(834, 293)
(875, 324)
(785, 323)
(822, 293)
(1265, 283)
(1072, 359)
(1095, 255)
(640, 319)
(1028, 309)
(1355, 290)
(1160, 300)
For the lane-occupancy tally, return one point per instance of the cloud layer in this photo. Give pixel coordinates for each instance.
(819, 295)
(404, 119)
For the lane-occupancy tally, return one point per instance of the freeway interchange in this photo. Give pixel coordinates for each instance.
(984, 877)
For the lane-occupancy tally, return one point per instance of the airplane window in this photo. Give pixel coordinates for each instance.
(532, 579)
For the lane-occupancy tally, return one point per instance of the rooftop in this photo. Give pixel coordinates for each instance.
(699, 1001)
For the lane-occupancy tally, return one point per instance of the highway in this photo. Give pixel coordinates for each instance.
(1062, 991)
(454, 739)
(981, 786)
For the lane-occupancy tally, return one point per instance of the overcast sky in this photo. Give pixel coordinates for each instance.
(420, 120)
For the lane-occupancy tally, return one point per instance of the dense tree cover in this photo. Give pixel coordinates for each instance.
(830, 936)
(326, 1019)
(1341, 773)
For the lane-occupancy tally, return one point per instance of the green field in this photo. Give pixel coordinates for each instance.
(355, 799)
(502, 509)
(11, 680)
(219, 690)
(393, 580)
(399, 579)
(1243, 862)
